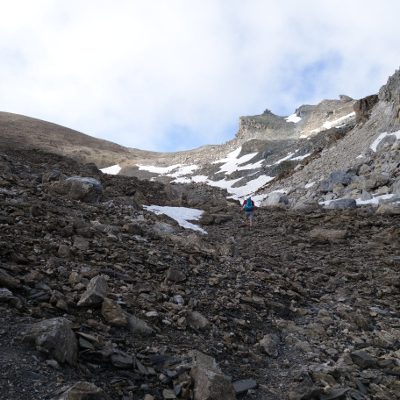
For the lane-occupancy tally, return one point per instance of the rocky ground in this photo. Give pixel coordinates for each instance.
(95, 290)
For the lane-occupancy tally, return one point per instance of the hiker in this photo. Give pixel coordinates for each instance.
(249, 207)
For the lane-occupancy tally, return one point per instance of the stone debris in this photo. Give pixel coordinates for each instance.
(303, 305)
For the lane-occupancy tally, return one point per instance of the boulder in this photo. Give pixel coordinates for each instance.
(82, 391)
(139, 327)
(209, 382)
(197, 320)
(270, 345)
(113, 313)
(55, 337)
(341, 204)
(95, 292)
(6, 280)
(85, 189)
(275, 199)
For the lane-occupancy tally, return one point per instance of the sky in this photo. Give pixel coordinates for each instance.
(170, 75)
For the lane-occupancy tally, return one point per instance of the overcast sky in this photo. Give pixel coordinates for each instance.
(176, 74)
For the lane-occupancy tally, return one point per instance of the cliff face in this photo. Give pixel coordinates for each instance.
(306, 121)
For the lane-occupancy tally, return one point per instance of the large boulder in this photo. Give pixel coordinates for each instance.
(55, 337)
(209, 381)
(341, 204)
(85, 189)
(337, 177)
(276, 199)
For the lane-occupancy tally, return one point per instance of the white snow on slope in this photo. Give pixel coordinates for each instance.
(337, 123)
(379, 139)
(293, 118)
(241, 192)
(113, 170)
(231, 163)
(375, 200)
(299, 158)
(172, 170)
(180, 214)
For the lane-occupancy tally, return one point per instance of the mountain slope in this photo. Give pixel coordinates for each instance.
(21, 132)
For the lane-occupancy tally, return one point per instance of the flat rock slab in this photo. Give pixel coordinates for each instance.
(244, 385)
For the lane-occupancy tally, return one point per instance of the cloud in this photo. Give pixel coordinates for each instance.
(174, 75)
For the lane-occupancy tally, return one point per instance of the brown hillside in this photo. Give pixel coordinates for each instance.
(21, 132)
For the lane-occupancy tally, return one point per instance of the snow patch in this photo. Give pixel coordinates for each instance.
(299, 158)
(375, 200)
(309, 185)
(232, 163)
(180, 214)
(293, 118)
(381, 136)
(113, 170)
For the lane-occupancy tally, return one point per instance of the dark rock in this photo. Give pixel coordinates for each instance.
(209, 382)
(341, 204)
(197, 320)
(95, 293)
(8, 281)
(139, 327)
(82, 391)
(56, 338)
(363, 359)
(175, 275)
(244, 385)
(364, 106)
(113, 313)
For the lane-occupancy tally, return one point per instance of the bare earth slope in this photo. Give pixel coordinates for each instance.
(21, 132)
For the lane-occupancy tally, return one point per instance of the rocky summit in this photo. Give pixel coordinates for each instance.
(117, 287)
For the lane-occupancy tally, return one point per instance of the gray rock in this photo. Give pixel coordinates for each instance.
(121, 360)
(85, 189)
(275, 200)
(341, 204)
(396, 186)
(175, 275)
(113, 313)
(197, 320)
(363, 359)
(8, 281)
(270, 345)
(244, 385)
(82, 391)
(95, 293)
(138, 326)
(56, 338)
(209, 382)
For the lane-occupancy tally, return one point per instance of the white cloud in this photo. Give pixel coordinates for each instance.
(172, 74)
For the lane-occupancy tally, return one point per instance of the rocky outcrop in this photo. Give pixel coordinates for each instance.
(363, 108)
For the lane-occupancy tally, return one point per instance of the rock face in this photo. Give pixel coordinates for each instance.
(55, 338)
(363, 108)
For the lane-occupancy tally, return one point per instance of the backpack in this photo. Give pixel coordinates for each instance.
(249, 205)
